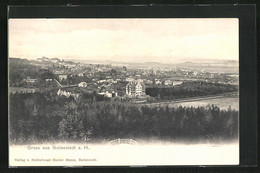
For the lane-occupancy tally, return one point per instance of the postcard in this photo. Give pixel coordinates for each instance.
(123, 91)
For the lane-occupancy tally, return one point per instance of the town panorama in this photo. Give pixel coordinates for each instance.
(52, 99)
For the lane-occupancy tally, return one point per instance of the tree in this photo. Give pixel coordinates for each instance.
(70, 127)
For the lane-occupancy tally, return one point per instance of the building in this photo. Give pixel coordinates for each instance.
(135, 88)
(28, 80)
(45, 59)
(167, 82)
(149, 82)
(48, 80)
(67, 94)
(158, 82)
(55, 60)
(129, 79)
(62, 76)
(64, 93)
(82, 84)
(108, 90)
(101, 81)
(175, 83)
(109, 94)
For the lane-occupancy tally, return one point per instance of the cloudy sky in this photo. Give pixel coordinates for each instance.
(127, 40)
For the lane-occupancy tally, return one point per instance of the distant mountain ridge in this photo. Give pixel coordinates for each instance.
(200, 64)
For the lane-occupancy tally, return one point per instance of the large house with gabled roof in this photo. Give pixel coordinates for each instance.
(135, 88)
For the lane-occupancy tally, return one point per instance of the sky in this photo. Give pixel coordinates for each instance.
(165, 40)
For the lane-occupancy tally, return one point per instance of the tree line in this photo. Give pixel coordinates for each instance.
(42, 117)
(190, 89)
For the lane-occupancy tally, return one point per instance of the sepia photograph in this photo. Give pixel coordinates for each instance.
(123, 91)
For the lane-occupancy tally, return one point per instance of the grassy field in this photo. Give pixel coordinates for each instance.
(223, 103)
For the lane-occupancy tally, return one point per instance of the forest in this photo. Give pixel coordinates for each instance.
(44, 117)
(20, 70)
(190, 89)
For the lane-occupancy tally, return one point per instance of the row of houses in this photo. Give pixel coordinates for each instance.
(171, 82)
(109, 94)
(22, 90)
(108, 81)
(67, 93)
(168, 82)
(134, 88)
